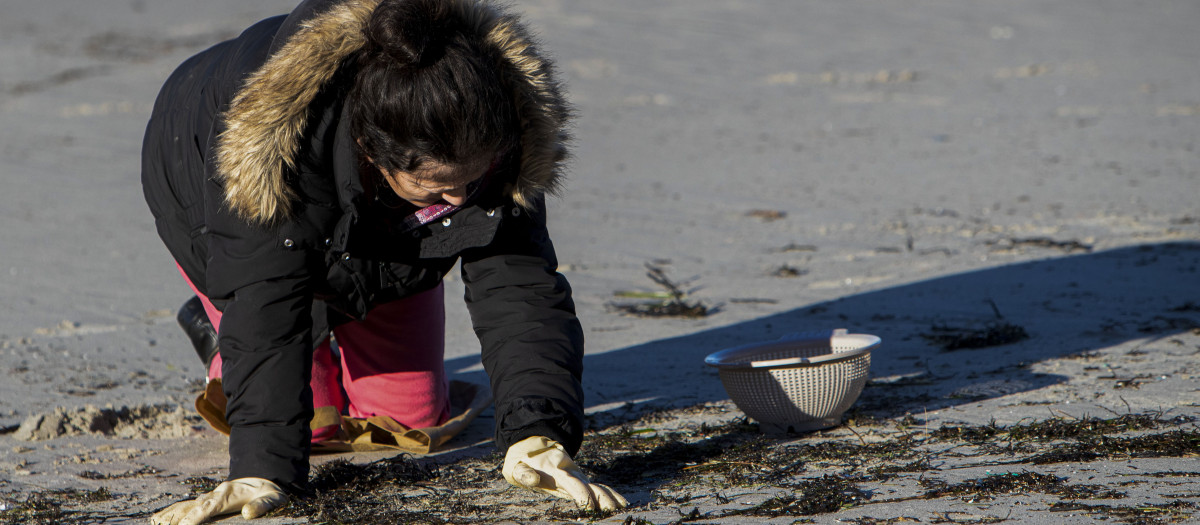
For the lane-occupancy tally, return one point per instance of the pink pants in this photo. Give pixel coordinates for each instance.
(392, 363)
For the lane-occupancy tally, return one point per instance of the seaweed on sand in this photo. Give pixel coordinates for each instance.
(970, 434)
(810, 475)
(1012, 243)
(788, 271)
(1177, 443)
(201, 484)
(628, 456)
(898, 448)
(1052, 429)
(813, 475)
(1055, 429)
(986, 488)
(1174, 512)
(340, 474)
(146, 470)
(958, 338)
(1086, 439)
(678, 464)
(47, 507)
(814, 496)
(384, 491)
(671, 303)
(734, 454)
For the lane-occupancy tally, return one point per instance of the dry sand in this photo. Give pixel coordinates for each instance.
(893, 168)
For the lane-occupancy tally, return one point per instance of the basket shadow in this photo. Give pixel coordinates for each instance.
(1066, 305)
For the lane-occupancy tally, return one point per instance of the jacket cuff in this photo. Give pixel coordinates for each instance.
(546, 431)
(527, 418)
(277, 453)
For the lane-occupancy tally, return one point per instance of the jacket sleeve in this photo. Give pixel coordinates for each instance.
(260, 282)
(532, 341)
(265, 342)
(263, 289)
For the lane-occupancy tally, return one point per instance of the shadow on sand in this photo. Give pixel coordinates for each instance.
(1068, 305)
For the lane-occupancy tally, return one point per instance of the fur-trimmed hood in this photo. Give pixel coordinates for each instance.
(266, 119)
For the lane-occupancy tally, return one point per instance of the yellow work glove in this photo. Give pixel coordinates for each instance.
(542, 465)
(252, 496)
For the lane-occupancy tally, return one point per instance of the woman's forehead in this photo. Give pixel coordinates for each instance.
(451, 173)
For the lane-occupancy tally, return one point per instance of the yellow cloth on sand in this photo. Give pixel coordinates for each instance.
(467, 400)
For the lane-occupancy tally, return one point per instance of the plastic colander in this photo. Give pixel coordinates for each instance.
(800, 383)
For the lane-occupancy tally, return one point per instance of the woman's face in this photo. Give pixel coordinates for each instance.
(437, 183)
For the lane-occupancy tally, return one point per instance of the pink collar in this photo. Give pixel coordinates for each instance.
(429, 214)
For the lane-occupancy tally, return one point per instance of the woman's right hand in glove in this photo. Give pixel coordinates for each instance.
(253, 497)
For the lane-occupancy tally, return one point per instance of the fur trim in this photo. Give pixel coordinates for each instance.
(265, 122)
(544, 113)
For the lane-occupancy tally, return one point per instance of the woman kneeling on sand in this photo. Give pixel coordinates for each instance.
(322, 172)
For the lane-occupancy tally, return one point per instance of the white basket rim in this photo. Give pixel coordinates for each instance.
(737, 357)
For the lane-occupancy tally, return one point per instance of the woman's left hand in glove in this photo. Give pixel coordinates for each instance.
(541, 464)
(253, 497)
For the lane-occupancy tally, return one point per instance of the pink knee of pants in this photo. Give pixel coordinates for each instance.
(392, 363)
(326, 388)
(405, 338)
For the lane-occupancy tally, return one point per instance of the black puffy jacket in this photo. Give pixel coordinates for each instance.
(252, 177)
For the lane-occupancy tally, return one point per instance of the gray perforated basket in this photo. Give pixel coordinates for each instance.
(800, 383)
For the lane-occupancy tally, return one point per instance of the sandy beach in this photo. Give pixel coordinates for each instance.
(920, 170)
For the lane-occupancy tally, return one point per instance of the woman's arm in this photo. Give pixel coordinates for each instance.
(532, 341)
(259, 278)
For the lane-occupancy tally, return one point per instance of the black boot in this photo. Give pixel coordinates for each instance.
(199, 330)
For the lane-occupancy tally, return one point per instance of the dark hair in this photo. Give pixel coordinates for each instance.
(428, 86)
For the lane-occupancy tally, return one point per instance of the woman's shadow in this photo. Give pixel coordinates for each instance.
(1065, 305)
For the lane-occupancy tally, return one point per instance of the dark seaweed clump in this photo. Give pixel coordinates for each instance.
(201, 484)
(144, 471)
(1174, 512)
(344, 492)
(813, 496)
(1178, 443)
(734, 454)
(1084, 439)
(1056, 429)
(664, 309)
(340, 474)
(628, 456)
(674, 304)
(1068, 246)
(48, 507)
(959, 338)
(986, 488)
(788, 271)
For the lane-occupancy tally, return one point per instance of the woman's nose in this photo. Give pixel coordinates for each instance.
(456, 197)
